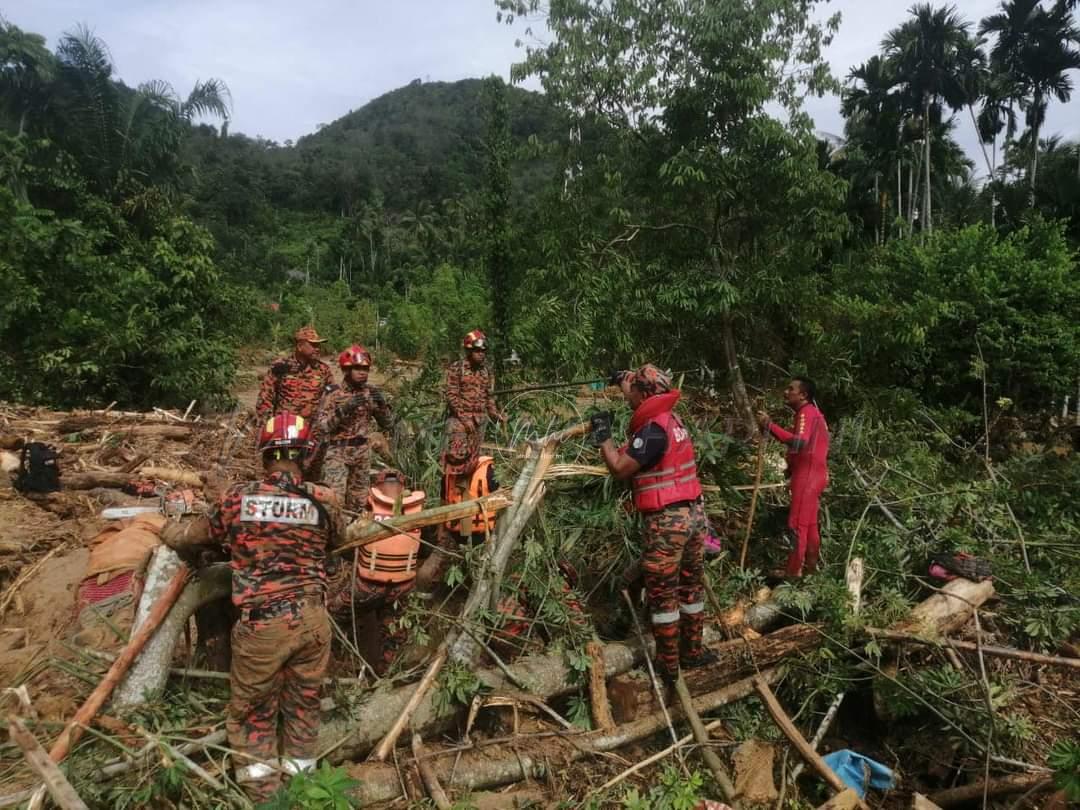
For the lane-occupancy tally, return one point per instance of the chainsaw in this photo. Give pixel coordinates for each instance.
(173, 504)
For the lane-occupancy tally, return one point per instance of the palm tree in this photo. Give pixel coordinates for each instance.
(26, 71)
(925, 55)
(874, 125)
(1035, 47)
(115, 132)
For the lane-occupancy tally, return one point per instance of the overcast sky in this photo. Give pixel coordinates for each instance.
(293, 65)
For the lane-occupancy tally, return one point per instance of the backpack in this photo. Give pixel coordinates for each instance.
(38, 469)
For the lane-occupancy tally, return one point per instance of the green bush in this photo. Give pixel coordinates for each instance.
(335, 313)
(434, 315)
(96, 307)
(933, 317)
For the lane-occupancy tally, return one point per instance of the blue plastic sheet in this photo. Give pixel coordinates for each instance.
(858, 772)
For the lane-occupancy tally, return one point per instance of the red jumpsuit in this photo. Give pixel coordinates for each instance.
(807, 459)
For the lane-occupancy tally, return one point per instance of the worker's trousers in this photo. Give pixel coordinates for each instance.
(673, 564)
(278, 664)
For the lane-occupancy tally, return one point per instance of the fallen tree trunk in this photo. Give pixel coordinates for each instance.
(546, 676)
(150, 672)
(1006, 785)
(480, 769)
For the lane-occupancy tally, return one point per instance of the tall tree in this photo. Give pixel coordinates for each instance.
(925, 54)
(1035, 47)
(497, 147)
(118, 134)
(703, 182)
(26, 71)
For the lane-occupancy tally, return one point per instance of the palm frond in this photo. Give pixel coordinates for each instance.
(210, 97)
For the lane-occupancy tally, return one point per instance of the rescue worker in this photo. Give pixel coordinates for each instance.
(386, 569)
(470, 402)
(658, 460)
(807, 472)
(295, 384)
(343, 427)
(277, 531)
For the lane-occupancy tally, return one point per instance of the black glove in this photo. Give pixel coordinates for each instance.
(615, 377)
(600, 424)
(349, 407)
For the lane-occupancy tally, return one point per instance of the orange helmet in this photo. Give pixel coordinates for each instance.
(355, 355)
(475, 340)
(285, 431)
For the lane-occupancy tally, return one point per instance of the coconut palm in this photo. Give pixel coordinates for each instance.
(925, 55)
(1035, 47)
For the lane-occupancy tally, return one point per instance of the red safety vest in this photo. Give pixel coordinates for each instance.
(478, 488)
(392, 559)
(674, 477)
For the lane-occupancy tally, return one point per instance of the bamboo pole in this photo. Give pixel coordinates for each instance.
(360, 534)
(797, 739)
(719, 772)
(753, 499)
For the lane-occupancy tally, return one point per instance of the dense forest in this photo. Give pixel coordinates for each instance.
(665, 198)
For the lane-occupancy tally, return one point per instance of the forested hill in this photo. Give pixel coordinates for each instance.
(425, 141)
(422, 143)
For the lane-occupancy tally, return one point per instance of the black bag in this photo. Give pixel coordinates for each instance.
(39, 470)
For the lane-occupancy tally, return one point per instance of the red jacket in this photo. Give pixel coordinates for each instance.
(808, 445)
(674, 477)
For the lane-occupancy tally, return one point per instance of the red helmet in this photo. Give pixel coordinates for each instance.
(475, 340)
(286, 431)
(355, 355)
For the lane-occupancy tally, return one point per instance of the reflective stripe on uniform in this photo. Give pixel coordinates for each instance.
(692, 608)
(665, 484)
(664, 471)
(665, 618)
(255, 772)
(295, 766)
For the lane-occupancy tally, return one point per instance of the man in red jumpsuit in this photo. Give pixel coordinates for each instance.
(807, 471)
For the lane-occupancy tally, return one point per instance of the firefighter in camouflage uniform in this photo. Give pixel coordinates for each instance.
(343, 427)
(295, 384)
(278, 532)
(470, 402)
(658, 460)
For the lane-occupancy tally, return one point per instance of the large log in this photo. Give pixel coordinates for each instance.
(485, 768)
(79, 424)
(148, 675)
(947, 610)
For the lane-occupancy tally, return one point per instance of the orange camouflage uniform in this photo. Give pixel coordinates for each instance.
(470, 401)
(278, 541)
(343, 428)
(294, 386)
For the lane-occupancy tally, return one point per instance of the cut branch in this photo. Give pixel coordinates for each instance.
(45, 767)
(967, 646)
